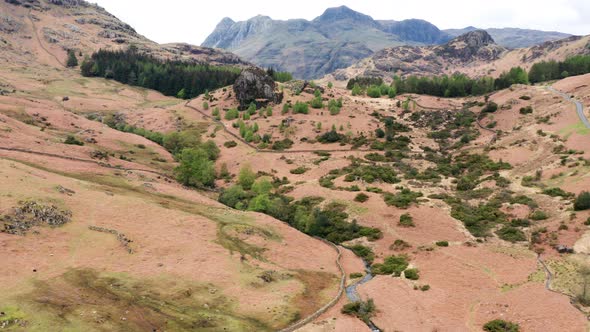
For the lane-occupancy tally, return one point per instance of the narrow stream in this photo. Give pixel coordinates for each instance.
(353, 295)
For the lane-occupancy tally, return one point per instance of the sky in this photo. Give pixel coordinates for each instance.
(192, 21)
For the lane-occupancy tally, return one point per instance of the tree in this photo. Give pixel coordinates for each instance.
(72, 60)
(582, 201)
(195, 169)
(246, 177)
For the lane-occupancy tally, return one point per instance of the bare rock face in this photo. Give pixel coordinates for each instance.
(476, 44)
(255, 85)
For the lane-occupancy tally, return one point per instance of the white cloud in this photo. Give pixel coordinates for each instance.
(192, 21)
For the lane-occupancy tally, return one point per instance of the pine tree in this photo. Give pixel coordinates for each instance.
(72, 60)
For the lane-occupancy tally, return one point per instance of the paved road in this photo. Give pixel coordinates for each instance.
(579, 106)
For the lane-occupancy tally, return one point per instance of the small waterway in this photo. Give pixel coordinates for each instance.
(353, 295)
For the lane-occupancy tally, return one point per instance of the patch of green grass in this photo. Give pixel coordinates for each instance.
(84, 299)
(578, 128)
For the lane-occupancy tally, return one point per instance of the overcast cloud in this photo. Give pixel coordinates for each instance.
(192, 21)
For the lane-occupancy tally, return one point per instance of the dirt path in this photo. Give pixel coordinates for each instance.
(330, 304)
(41, 43)
(89, 161)
(253, 147)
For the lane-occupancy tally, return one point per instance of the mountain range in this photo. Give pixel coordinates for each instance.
(339, 38)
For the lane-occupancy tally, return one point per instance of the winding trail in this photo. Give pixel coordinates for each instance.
(253, 147)
(579, 106)
(330, 304)
(88, 161)
(41, 43)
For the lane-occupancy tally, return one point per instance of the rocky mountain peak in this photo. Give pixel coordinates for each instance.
(343, 13)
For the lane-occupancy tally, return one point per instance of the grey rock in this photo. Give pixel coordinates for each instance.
(254, 85)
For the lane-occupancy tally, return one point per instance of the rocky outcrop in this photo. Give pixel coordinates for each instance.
(475, 44)
(254, 85)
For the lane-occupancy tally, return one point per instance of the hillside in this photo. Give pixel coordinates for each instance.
(43, 31)
(268, 206)
(475, 53)
(95, 232)
(337, 39)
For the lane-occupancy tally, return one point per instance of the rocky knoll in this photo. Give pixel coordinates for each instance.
(474, 45)
(255, 85)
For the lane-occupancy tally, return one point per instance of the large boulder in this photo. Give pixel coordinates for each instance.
(255, 85)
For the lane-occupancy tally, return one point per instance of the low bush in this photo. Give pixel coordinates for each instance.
(406, 220)
(363, 252)
(361, 198)
(72, 140)
(526, 110)
(442, 243)
(230, 144)
(392, 265)
(539, 215)
(511, 234)
(412, 274)
(299, 170)
(582, 201)
(499, 325)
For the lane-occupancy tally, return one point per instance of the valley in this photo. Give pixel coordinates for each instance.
(171, 187)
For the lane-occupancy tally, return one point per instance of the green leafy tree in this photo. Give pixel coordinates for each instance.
(246, 177)
(195, 168)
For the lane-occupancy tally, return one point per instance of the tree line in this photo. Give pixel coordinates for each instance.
(171, 77)
(461, 85)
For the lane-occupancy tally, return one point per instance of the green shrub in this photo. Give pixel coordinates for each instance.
(526, 110)
(356, 275)
(282, 145)
(363, 252)
(557, 192)
(406, 220)
(299, 170)
(539, 215)
(72, 140)
(442, 243)
(246, 177)
(582, 201)
(490, 107)
(412, 274)
(300, 108)
(374, 91)
(230, 144)
(425, 288)
(361, 310)
(399, 245)
(499, 325)
(511, 234)
(392, 265)
(232, 114)
(331, 136)
(525, 97)
(361, 198)
(403, 199)
(317, 102)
